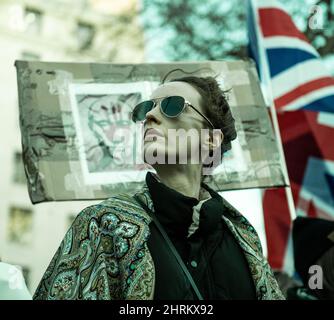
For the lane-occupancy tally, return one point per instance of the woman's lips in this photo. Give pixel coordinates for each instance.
(152, 134)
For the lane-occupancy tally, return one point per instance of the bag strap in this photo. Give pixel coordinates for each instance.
(171, 246)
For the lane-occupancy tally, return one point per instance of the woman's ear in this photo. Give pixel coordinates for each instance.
(216, 139)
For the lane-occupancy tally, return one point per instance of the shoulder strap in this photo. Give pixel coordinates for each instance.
(171, 246)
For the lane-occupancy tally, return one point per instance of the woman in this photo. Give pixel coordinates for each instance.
(114, 250)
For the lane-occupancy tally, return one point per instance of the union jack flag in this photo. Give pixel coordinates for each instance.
(303, 95)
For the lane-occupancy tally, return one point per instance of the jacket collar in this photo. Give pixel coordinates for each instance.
(245, 234)
(237, 223)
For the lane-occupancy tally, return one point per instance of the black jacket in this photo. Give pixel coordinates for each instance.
(212, 255)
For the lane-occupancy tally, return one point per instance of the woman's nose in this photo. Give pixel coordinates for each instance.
(154, 115)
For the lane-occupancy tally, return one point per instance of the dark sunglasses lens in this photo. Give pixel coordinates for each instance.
(172, 106)
(140, 110)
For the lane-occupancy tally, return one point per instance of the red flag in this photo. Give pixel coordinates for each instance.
(303, 94)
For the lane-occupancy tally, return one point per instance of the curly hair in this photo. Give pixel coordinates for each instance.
(216, 106)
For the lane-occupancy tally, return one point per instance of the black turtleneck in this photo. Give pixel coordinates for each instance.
(212, 255)
(165, 200)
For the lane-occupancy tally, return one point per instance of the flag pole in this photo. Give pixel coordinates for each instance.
(265, 77)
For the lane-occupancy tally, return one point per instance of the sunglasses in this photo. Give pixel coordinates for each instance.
(171, 107)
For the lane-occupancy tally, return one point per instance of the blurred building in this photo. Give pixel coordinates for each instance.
(58, 30)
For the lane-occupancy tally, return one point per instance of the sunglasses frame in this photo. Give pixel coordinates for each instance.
(186, 103)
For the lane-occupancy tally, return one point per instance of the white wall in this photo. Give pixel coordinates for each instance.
(249, 204)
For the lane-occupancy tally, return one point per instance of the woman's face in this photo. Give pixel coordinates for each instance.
(180, 138)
